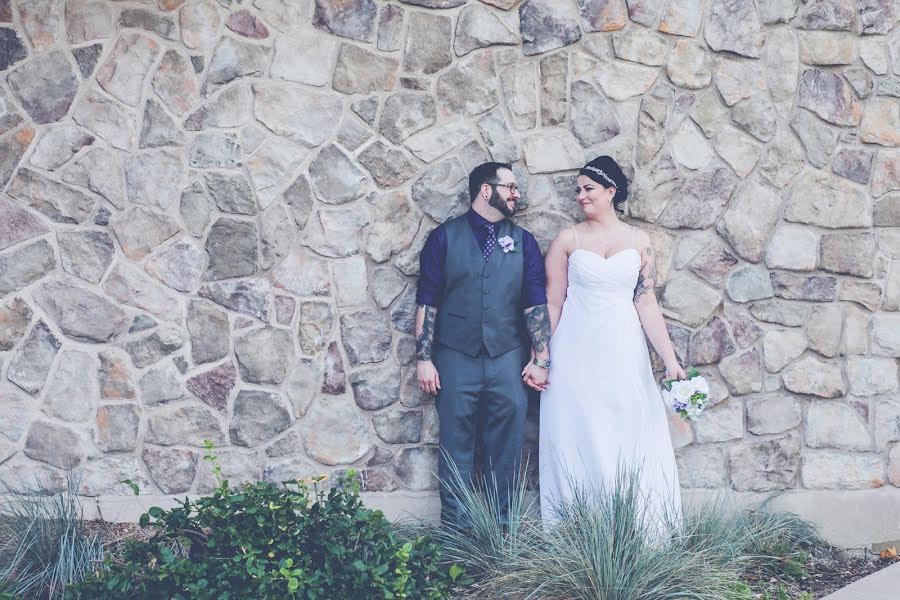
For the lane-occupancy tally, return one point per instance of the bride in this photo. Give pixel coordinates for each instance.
(602, 407)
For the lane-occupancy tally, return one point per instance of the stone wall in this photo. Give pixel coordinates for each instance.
(213, 211)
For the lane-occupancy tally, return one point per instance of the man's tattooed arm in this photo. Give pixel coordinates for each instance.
(537, 321)
(425, 320)
(647, 276)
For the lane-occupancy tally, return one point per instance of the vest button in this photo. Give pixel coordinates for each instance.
(484, 323)
(485, 275)
(485, 292)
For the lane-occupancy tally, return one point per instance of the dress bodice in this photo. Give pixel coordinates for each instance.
(594, 278)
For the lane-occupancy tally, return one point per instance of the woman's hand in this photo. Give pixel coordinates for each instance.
(674, 371)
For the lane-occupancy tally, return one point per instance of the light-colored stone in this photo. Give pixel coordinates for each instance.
(71, 391)
(469, 87)
(886, 335)
(866, 293)
(743, 373)
(199, 23)
(780, 348)
(478, 27)
(886, 176)
(359, 71)
(699, 201)
(775, 414)
(690, 148)
(825, 469)
(826, 48)
(123, 73)
(721, 423)
(688, 301)
(792, 247)
(641, 46)
(749, 283)
(848, 253)
(520, 79)
(815, 377)
(708, 112)
(337, 232)
(833, 424)
(434, 142)
(737, 80)
(821, 199)
(682, 17)
(129, 285)
(763, 466)
(874, 55)
(622, 80)
(350, 282)
(824, 330)
(155, 178)
(818, 138)
(701, 467)
(689, 65)
(552, 151)
(334, 432)
(869, 376)
(829, 96)
(306, 117)
(734, 26)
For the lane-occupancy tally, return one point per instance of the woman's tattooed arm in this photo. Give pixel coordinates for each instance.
(647, 276)
(425, 319)
(537, 321)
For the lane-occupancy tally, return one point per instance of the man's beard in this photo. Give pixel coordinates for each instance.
(500, 204)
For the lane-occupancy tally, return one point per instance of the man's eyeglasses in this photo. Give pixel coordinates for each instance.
(512, 187)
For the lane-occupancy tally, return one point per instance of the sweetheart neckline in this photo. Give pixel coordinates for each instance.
(605, 258)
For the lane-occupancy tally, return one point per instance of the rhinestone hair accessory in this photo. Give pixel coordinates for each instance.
(603, 175)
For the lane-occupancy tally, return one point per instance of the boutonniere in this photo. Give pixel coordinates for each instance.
(507, 244)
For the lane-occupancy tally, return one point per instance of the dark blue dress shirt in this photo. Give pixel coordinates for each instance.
(431, 264)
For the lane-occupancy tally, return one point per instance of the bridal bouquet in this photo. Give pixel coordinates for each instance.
(688, 397)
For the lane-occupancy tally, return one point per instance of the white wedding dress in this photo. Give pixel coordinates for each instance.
(603, 407)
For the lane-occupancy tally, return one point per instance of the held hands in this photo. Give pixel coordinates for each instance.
(535, 377)
(429, 380)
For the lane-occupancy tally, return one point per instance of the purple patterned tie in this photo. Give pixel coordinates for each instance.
(490, 242)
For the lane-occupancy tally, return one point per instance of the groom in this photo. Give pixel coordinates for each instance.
(481, 307)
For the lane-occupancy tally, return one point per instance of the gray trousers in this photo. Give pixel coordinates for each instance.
(484, 395)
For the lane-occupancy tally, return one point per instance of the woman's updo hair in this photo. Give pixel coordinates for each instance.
(607, 172)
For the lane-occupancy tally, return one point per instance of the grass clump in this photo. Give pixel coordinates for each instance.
(44, 544)
(614, 544)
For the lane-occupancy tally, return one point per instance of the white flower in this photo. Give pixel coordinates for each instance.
(701, 386)
(693, 412)
(507, 244)
(682, 391)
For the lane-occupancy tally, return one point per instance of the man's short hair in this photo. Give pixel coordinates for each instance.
(484, 173)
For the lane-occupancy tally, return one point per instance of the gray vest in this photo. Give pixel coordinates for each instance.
(482, 299)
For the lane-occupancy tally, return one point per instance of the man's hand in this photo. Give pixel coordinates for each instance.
(535, 377)
(429, 380)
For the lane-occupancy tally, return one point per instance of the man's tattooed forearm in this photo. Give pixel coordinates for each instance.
(425, 340)
(537, 321)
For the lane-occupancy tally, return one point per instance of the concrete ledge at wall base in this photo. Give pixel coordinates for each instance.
(848, 519)
(881, 585)
(128, 509)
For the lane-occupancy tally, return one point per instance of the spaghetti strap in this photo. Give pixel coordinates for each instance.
(575, 233)
(633, 229)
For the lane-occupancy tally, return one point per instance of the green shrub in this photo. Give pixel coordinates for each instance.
(44, 545)
(272, 541)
